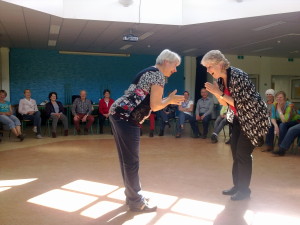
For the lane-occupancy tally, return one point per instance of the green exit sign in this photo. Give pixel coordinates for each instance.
(240, 57)
(290, 59)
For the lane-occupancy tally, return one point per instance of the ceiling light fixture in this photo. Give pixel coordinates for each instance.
(126, 3)
(263, 49)
(52, 43)
(94, 53)
(54, 29)
(125, 47)
(269, 26)
(145, 35)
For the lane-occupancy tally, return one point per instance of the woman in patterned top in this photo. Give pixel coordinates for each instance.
(284, 116)
(129, 111)
(248, 113)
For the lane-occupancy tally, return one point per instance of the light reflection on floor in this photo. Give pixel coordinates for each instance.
(99, 200)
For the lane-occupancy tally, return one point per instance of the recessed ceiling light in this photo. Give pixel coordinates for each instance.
(263, 49)
(126, 3)
(269, 26)
(125, 47)
(54, 29)
(189, 50)
(52, 43)
(145, 35)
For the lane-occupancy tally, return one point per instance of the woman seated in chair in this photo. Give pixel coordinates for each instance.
(7, 118)
(104, 106)
(284, 116)
(55, 112)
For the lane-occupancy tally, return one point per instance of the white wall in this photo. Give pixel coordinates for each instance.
(265, 67)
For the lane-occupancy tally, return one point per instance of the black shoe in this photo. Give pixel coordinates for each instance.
(145, 208)
(214, 138)
(227, 142)
(280, 152)
(178, 136)
(21, 137)
(53, 134)
(230, 191)
(161, 133)
(196, 136)
(151, 134)
(239, 196)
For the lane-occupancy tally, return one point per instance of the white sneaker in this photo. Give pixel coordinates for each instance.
(34, 129)
(39, 136)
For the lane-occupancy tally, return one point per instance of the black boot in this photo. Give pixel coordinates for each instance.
(161, 133)
(151, 134)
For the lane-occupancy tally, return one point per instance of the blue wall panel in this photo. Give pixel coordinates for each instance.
(44, 71)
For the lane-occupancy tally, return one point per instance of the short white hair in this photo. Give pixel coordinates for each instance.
(215, 57)
(167, 55)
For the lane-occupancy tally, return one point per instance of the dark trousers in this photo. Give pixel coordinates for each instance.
(192, 120)
(36, 118)
(101, 121)
(270, 136)
(165, 118)
(241, 148)
(89, 121)
(205, 123)
(127, 138)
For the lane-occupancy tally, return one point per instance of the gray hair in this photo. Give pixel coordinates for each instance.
(215, 57)
(167, 55)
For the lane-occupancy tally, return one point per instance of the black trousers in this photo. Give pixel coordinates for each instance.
(127, 138)
(241, 148)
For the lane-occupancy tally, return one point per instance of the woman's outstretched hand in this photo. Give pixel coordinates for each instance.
(176, 99)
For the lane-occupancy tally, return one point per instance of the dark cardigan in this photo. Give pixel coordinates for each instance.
(50, 109)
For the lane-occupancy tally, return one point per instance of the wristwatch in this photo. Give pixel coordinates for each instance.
(222, 96)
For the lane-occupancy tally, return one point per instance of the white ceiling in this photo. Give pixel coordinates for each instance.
(275, 35)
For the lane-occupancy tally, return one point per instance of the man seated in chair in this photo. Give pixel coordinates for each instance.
(29, 111)
(220, 123)
(82, 109)
(186, 113)
(204, 111)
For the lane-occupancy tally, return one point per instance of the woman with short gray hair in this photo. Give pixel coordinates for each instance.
(247, 112)
(129, 111)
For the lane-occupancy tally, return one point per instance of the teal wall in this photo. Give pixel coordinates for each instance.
(44, 71)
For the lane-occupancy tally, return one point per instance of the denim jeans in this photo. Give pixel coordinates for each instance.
(11, 121)
(192, 120)
(36, 118)
(290, 136)
(205, 123)
(219, 124)
(165, 117)
(283, 128)
(127, 138)
(270, 136)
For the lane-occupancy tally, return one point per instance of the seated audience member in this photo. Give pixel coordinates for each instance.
(152, 125)
(167, 113)
(284, 116)
(104, 106)
(82, 110)
(220, 122)
(270, 94)
(55, 111)
(204, 111)
(185, 112)
(7, 118)
(29, 111)
(289, 138)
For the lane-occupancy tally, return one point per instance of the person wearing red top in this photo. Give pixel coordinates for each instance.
(104, 106)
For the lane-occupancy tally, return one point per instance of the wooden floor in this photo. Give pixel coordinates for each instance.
(76, 180)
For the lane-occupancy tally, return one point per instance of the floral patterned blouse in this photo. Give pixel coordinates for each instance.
(134, 105)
